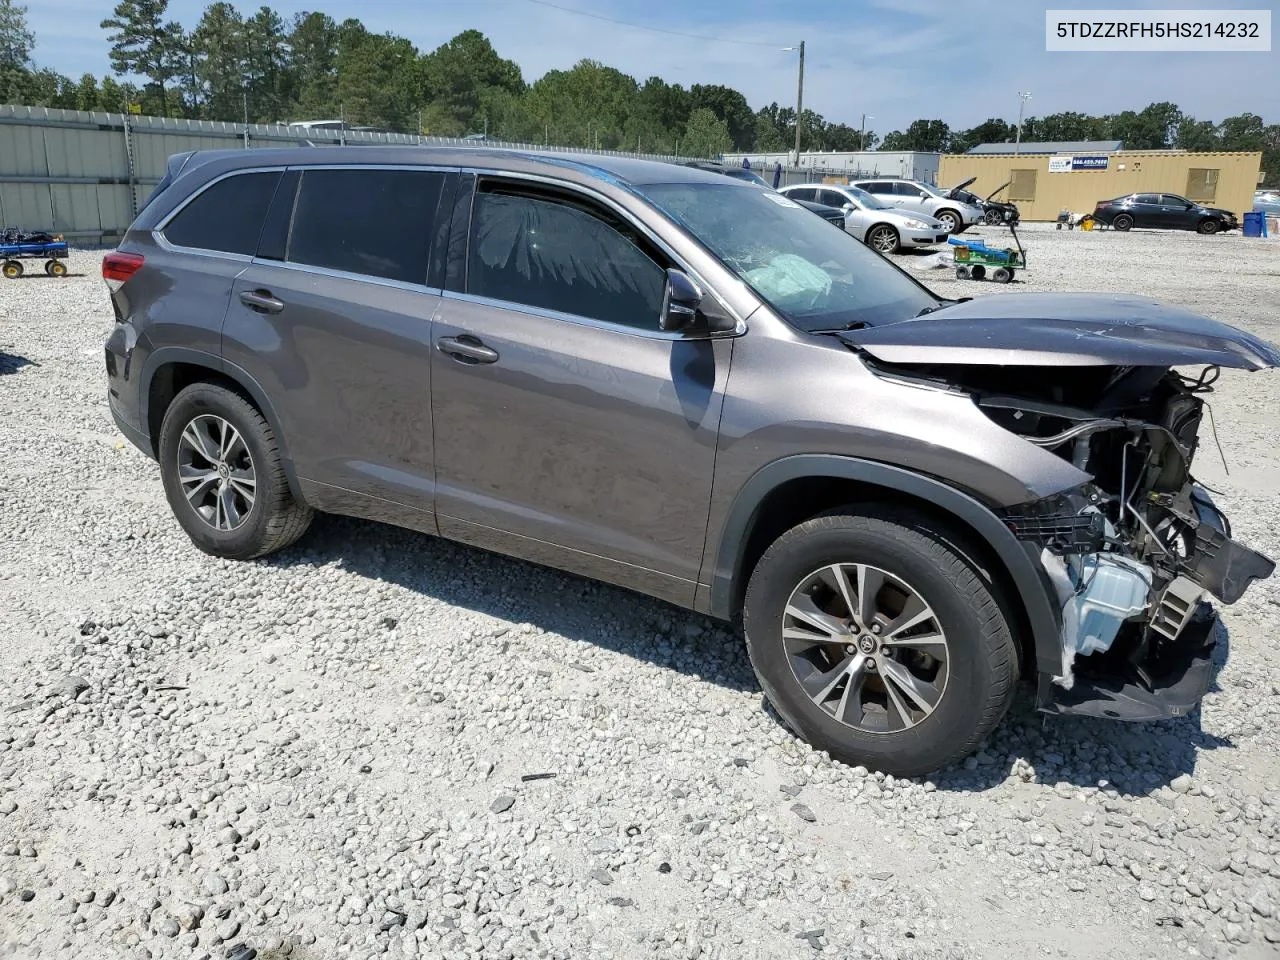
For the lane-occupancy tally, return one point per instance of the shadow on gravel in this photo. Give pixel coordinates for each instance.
(12, 363)
(1135, 759)
(604, 616)
(1132, 759)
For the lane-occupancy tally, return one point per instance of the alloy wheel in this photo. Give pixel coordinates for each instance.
(216, 472)
(865, 647)
(883, 239)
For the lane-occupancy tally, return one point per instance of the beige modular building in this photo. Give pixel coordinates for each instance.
(1043, 185)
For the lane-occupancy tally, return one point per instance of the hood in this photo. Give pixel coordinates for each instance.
(960, 186)
(1058, 330)
(1219, 211)
(998, 189)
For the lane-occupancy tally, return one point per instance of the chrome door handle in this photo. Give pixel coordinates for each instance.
(468, 349)
(262, 301)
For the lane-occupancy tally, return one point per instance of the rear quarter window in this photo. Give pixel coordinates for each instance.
(227, 216)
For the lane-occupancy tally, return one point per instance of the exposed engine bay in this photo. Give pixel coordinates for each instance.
(1132, 555)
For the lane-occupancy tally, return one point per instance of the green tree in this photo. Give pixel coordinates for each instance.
(87, 96)
(144, 43)
(1198, 135)
(312, 78)
(929, 136)
(218, 45)
(993, 130)
(461, 74)
(378, 76)
(266, 57)
(585, 106)
(730, 106)
(705, 135)
(16, 40)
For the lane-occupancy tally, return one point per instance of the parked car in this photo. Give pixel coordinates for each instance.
(1166, 211)
(1267, 202)
(876, 224)
(923, 198)
(832, 215)
(669, 380)
(994, 212)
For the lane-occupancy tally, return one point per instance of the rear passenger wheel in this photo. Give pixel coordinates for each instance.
(1122, 222)
(883, 239)
(878, 642)
(223, 475)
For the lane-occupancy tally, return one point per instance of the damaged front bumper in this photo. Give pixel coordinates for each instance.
(1136, 647)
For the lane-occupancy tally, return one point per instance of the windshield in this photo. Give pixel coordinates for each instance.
(930, 188)
(814, 277)
(868, 201)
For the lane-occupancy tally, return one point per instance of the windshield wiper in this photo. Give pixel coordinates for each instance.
(939, 306)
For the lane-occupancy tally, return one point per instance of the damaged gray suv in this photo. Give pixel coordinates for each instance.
(690, 386)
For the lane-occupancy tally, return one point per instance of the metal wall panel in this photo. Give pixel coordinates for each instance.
(69, 171)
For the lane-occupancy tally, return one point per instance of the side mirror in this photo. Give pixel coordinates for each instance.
(848, 208)
(685, 307)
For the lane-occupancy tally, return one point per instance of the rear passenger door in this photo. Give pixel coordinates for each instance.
(1145, 210)
(333, 319)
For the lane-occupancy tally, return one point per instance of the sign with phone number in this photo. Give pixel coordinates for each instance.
(1066, 164)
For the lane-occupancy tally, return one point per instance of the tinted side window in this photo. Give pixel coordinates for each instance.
(374, 222)
(802, 193)
(832, 198)
(1172, 200)
(878, 186)
(1147, 198)
(542, 252)
(907, 190)
(227, 216)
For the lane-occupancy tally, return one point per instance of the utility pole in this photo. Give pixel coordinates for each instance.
(1022, 102)
(799, 98)
(246, 119)
(862, 137)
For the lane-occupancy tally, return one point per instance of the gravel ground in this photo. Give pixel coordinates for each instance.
(381, 743)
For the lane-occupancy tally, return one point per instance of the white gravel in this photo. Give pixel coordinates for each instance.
(336, 752)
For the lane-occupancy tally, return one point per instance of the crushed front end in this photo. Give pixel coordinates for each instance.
(1134, 555)
(1131, 557)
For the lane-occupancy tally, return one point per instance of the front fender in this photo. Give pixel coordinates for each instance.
(1019, 560)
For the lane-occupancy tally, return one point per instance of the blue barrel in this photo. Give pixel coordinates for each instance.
(1253, 223)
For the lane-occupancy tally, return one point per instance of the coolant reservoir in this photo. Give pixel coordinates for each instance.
(1112, 589)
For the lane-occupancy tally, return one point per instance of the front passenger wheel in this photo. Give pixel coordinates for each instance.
(224, 477)
(878, 641)
(883, 239)
(1209, 226)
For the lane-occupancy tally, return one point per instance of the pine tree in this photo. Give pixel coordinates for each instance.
(145, 44)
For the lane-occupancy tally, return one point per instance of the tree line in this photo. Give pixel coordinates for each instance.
(262, 68)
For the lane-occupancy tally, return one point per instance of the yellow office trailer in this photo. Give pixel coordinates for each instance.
(1043, 185)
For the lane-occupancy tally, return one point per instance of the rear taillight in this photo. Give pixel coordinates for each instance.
(118, 267)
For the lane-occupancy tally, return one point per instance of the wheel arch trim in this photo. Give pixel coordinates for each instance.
(226, 370)
(1019, 560)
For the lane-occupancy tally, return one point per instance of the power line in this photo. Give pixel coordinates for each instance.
(641, 26)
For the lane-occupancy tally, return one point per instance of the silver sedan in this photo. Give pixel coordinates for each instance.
(878, 225)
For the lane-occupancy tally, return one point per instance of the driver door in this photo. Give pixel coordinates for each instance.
(569, 429)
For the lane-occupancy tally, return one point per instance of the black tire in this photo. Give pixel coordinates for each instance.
(950, 219)
(978, 272)
(1208, 226)
(883, 238)
(1001, 274)
(962, 273)
(55, 268)
(1122, 222)
(981, 654)
(993, 218)
(275, 519)
(12, 270)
